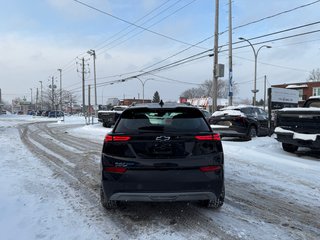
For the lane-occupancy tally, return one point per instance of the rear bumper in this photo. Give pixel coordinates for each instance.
(162, 197)
(290, 139)
(231, 132)
(163, 185)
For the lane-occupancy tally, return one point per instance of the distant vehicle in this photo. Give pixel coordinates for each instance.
(39, 113)
(55, 114)
(45, 113)
(299, 127)
(31, 112)
(162, 153)
(109, 117)
(244, 122)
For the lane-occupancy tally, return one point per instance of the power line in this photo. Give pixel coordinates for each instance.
(198, 56)
(149, 13)
(68, 64)
(133, 24)
(274, 65)
(278, 39)
(143, 23)
(150, 27)
(272, 16)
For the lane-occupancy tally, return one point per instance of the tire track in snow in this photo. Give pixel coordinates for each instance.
(175, 218)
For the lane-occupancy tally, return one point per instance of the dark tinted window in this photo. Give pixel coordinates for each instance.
(313, 103)
(247, 111)
(163, 120)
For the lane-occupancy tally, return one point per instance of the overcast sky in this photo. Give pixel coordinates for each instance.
(39, 36)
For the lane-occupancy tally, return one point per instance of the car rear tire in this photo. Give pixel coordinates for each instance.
(252, 133)
(214, 204)
(105, 202)
(289, 147)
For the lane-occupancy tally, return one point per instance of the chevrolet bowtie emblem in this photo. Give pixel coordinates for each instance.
(162, 138)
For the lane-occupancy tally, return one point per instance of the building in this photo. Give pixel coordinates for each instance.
(21, 106)
(306, 89)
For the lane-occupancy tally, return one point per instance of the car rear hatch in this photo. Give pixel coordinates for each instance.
(166, 139)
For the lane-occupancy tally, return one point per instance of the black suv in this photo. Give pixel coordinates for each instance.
(241, 121)
(162, 152)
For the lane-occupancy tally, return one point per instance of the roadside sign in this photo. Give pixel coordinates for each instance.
(282, 97)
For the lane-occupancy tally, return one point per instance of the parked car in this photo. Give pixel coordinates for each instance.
(109, 117)
(55, 114)
(299, 127)
(162, 153)
(206, 114)
(45, 113)
(240, 121)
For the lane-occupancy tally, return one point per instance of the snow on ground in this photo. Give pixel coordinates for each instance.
(33, 201)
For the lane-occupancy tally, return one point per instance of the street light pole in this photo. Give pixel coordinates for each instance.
(255, 67)
(143, 83)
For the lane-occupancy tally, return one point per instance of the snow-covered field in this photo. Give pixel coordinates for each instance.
(36, 204)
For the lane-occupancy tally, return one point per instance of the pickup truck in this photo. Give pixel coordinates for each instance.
(109, 117)
(299, 127)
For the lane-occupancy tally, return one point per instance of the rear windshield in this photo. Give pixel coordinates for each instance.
(162, 120)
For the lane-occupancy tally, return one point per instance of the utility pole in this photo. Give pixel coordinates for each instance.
(89, 103)
(215, 60)
(41, 100)
(31, 100)
(93, 53)
(52, 92)
(83, 92)
(37, 99)
(60, 70)
(230, 55)
(264, 92)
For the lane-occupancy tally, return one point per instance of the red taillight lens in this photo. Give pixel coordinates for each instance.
(109, 138)
(210, 168)
(211, 137)
(115, 169)
(121, 138)
(216, 137)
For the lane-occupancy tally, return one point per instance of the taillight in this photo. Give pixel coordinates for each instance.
(210, 168)
(110, 138)
(211, 137)
(121, 138)
(115, 169)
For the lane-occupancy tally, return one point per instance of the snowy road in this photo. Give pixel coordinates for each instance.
(269, 194)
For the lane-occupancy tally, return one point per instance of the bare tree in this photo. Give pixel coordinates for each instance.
(193, 93)
(314, 75)
(205, 89)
